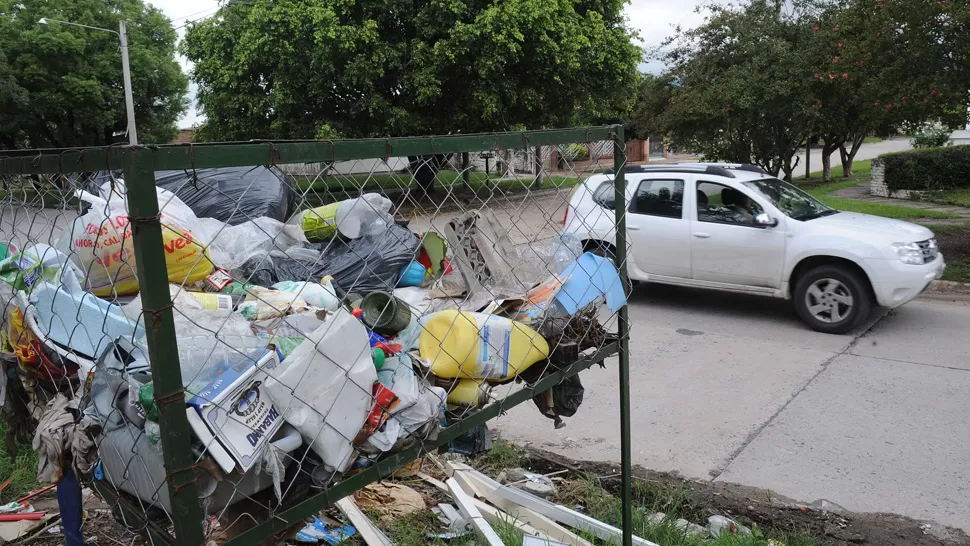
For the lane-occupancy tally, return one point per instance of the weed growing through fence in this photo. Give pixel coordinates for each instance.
(675, 502)
(22, 471)
(503, 455)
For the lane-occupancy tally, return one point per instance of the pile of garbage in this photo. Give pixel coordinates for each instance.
(310, 343)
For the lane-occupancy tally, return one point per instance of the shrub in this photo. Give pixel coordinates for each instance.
(932, 135)
(574, 152)
(928, 169)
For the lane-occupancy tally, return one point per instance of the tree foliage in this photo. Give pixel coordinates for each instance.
(737, 91)
(881, 65)
(62, 85)
(751, 84)
(306, 68)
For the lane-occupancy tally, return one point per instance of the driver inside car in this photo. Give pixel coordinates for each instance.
(740, 204)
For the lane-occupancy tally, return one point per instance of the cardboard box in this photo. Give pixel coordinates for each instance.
(234, 408)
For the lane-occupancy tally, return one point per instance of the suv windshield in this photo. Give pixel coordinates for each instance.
(790, 200)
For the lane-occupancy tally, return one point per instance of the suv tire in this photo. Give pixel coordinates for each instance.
(832, 299)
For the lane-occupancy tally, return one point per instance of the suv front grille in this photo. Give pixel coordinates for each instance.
(930, 250)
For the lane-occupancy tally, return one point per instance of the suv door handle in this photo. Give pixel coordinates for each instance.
(702, 235)
(633, 228)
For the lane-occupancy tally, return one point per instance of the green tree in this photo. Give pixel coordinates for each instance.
(881, 65)
(61, 85)
(305, 68)
(653, 97)
(737, 88)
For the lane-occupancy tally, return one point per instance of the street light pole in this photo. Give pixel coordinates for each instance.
(125, 69)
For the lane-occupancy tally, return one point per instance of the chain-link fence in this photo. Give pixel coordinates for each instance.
(224, 339)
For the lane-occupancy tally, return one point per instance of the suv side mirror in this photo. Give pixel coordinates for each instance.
(764, 220)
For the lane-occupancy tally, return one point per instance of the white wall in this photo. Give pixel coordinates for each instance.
(360, 166)
(960, 137)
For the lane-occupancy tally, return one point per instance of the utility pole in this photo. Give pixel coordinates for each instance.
(126, 72)
(122, 35)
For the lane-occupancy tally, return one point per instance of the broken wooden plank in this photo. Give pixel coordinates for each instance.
(488, 487)
(498, 517)
(467, 507)
(492, 514)
(371, 534)
(564, 515)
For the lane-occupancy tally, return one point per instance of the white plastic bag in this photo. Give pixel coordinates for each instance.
(419, 402)
(232, 246)
(100, 241)
(263, 303)
(324, 388)
(320, 294)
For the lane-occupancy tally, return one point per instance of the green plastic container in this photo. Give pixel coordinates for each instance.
(146, 397)
(384, 313)
(379, 358)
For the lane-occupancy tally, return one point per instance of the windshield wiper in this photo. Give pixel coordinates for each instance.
(828, 212)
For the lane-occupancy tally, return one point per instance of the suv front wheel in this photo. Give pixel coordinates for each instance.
(832, 299)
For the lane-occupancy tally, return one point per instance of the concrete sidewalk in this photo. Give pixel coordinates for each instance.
(736, 389)
(861, 192)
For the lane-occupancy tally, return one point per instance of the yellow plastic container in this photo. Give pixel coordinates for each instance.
(466, 345)
(471, 392)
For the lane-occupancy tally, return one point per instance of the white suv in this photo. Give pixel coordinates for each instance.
(733, 227)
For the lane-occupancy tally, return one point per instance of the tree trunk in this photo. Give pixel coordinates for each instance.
(829, 146)
(788, 167)
(466, 172)
(424, 169)
(848, 156)
(537, 166)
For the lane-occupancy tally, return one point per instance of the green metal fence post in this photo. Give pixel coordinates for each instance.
(146, 229)
(623, 331)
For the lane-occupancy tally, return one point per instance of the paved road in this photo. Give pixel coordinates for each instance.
(867, 151)
(736, 389)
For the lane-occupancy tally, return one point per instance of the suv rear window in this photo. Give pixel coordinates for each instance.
(659, 198)
(605, 195)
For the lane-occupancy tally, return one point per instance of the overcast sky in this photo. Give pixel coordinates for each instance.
(654, 19)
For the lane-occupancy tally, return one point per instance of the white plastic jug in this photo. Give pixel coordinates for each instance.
(324, 387)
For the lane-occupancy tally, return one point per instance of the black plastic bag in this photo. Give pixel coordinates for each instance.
(233, 194)
(561, 400)
(364, 265)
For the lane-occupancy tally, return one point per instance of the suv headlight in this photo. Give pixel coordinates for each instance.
(909, 253)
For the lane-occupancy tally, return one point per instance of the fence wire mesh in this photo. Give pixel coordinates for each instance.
(326, 316)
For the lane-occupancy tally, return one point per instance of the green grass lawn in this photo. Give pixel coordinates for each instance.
(957, 271)
(862, 171)
(22, 471)
(960, 198)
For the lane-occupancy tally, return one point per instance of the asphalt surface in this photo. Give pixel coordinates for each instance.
(735, 388)
(866, 151)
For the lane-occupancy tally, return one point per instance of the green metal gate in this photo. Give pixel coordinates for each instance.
(529, 179)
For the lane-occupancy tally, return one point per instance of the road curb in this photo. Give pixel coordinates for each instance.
(949, 287)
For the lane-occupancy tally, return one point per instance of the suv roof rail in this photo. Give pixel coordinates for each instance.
(715, 169)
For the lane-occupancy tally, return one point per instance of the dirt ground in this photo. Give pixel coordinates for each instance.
(832, 524)
(954, 243)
